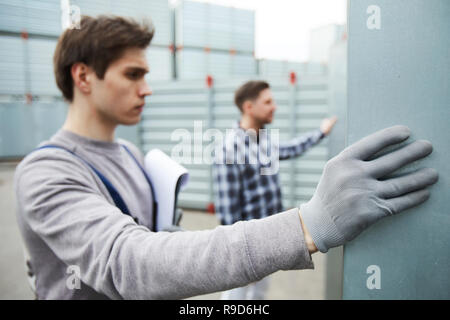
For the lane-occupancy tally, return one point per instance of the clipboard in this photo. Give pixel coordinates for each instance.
(168, 179)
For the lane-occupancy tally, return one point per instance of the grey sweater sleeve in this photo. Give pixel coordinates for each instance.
(63, 205)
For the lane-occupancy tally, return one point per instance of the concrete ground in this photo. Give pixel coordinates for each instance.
(289, 285)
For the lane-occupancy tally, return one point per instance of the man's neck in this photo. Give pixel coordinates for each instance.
(249, 123)
(85, 121)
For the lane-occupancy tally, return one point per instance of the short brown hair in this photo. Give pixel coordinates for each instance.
(97, 43)
(249, 91)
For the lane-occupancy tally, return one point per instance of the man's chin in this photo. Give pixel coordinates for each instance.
(130, 121)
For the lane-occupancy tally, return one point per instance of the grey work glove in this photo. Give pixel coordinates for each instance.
(350, 195)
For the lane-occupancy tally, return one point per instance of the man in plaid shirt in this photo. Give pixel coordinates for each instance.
(246, 170)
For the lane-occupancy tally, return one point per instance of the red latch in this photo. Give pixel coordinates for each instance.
(209, 81)
(210, 208)
(24, 34)
(29, 98)
(293, 77)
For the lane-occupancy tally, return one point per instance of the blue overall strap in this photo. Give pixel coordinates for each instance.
(155, 204)
(111, 189)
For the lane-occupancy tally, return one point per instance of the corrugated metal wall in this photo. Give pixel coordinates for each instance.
(177, 105)
(203, 25)
(39, 17)
(214, 40)
(282, 68)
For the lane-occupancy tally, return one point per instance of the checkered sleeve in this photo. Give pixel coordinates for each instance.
(227, 189)
(299, 145)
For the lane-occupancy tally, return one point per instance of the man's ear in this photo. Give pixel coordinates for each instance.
(82, 77)
(247, 107)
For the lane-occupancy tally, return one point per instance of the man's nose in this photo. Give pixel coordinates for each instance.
(145, 90)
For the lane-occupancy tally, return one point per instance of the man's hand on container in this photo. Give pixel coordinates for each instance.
(352, 194)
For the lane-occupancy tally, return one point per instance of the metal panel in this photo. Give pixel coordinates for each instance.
(48, 117)
(12, 67)
(43, 17)
(155, 10)
(198, 63)
(398, 74)
(191, 24)
(338, 107)
(13, 16)
(129, 133)
(42, 79)
(219, 31)
(16, 129)
(93, 8)
(243, 23)
(243, 65)
(219, 64)
(24, 126)
(39, 17)
(282, 68)
(205, 25)
(191, 64)
(160, 63)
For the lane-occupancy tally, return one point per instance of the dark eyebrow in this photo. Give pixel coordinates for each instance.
(138, 69)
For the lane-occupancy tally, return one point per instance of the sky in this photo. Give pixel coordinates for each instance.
(282, 27)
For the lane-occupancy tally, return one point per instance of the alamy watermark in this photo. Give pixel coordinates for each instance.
(262, 148)
(70, 16)
(73, 281)
(374, 280)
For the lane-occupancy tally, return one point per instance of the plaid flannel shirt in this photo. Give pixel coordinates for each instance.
(241, 191)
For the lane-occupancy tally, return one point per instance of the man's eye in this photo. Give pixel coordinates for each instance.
(134, 75)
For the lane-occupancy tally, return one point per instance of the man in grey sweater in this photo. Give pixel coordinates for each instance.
(75, 228)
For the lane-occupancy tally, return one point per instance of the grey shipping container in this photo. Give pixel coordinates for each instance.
(157, 11)
(12, 65)
(197, 63)
(205, 25)
(160, 61)
(282, 68)
(39, 17)
(398, 73)
(40, 64)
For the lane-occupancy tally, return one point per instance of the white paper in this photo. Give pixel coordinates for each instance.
(165, 174)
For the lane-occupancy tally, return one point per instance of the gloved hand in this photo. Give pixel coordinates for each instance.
(350, 197)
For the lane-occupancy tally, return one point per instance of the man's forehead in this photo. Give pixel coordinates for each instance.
(266, 93)
(133, 58)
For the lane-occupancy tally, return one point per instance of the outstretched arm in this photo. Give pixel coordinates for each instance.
(298, 146)
(61, 203)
